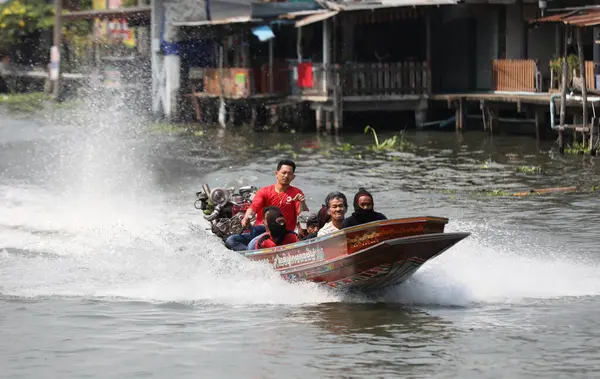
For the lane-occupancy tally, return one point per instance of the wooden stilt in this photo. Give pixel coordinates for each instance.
(319, 118)
(271, 78)
(328, 121)
(583, 84)
(537, 126)
(57, 41)
(462, 115)
(337, 99)
(254, 116)
(457, 119)
(483, 116)
(563, 93)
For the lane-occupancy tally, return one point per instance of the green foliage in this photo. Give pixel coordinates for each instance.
(24, 103)
(530, 169)
(19, 18)
(387, 144)
(390, 144)
(578, 148)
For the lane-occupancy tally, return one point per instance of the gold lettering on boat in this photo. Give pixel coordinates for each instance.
(372, 238)
(309, 254)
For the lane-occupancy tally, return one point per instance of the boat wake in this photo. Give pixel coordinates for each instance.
(114, 249)
(94, 220)
(496, 266)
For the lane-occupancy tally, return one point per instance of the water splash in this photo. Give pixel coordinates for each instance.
(100, 225)
(496, 265)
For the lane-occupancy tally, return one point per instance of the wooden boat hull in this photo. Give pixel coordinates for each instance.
(367, 257)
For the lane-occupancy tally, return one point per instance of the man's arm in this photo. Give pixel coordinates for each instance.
(257, 203)
(248, 216)
(302, 200)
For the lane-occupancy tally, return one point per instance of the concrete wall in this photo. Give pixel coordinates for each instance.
(487, 45)
(541, 46)
(451, 50)
(516, 30)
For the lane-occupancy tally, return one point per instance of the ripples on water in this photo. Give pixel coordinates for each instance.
(106, 269)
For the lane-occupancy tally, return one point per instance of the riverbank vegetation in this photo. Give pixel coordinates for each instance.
(33, 104)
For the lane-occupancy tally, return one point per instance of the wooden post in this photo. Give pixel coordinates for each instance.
(253, 116)
(337, 99)
(428, 49)
(328, 121)
(482, 106)
(583, 84)
(457, 115)
(319, 118)
(57, 42)
(563, 93)
(222, 113)
(326, 53)
(271, 79)
(537, 126)
(299, 44)
(461, 112)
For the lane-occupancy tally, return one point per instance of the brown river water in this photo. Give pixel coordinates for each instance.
(106, 270)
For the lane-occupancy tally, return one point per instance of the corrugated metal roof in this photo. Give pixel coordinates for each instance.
(374, 4)
(234, 20)
(588, 17)
(127, 13)
(315, 18)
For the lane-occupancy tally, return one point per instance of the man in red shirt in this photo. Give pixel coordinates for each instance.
(290, 200)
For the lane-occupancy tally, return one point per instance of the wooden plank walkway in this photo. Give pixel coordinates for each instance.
(542, 98)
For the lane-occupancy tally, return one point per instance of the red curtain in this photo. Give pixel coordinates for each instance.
(305, 75)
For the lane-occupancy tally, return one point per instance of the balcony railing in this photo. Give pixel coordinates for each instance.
(515, 75)
(361, 79)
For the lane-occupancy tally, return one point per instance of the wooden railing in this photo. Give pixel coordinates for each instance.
(514, 75)
(307, 80)
(364, 79)
(590, 79)
(239, 83)
(589, 75)
(313, 79)
(398, 78)
(236, 82)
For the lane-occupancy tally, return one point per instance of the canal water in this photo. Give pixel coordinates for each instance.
(107, 271)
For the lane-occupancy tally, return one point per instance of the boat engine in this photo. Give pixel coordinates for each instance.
(224, 208)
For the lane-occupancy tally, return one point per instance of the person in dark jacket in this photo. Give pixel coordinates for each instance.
(363, 210)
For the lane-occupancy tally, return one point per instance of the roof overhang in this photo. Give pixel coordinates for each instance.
(379, 4)
(581, 18)
(135, 14)
(227, 21)
(317, 17)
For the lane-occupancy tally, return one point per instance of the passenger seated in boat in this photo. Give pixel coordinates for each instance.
(363, 210)
(337, 205)
(308, 226)
(290, 200)
(277, 233)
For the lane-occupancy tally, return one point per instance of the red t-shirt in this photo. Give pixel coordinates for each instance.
(267, 196)
(289, 238)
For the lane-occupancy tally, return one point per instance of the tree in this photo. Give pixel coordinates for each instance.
(20, 19)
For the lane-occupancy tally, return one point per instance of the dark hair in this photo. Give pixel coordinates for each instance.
(313, 220)
(287, 162)
(270, 208)
(336, 195)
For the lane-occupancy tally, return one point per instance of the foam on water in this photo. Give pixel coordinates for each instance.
(101, 227)
(492, 266)
(119, 250)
